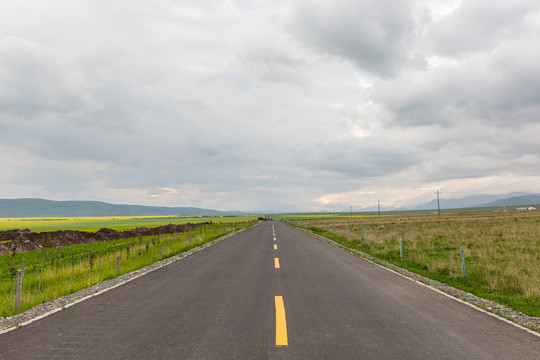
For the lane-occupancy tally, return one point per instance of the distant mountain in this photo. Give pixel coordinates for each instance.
(483, 200)
(46, 208)
(515, 201)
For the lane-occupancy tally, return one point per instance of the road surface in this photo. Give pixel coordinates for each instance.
(270, 294)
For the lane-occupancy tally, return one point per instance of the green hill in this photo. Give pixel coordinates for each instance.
(46, 208)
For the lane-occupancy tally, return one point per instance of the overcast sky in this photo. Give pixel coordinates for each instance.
(268, 104)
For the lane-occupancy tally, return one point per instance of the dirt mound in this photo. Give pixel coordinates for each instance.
(27, 240)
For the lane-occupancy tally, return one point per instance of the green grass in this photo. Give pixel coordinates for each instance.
(67, 269)
(502, 250)
(118, 223)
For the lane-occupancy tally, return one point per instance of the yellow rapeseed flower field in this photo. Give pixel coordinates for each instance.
(118, 223)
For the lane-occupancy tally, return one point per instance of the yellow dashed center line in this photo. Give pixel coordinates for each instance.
(281, 323)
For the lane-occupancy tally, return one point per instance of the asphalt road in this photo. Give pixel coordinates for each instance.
(231, 301)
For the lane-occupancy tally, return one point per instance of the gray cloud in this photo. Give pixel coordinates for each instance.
(266, 105)
(491, 84)
(360, 158)
(372, 34)
(478, 26)
(275, 60)
(32, 80)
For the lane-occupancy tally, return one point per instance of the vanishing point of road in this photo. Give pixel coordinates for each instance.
(270, 292)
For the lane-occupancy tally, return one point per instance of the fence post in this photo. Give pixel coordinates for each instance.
(401, 248)
(463, 263)
(18, 290)
(365, 235)
(90, 260)
(118, 264)
(99, 250)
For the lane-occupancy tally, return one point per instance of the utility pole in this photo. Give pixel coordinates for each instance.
(379, 207)
(438, 205)
(351, 210)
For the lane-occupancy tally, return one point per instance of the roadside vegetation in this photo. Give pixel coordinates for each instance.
(502, 249)
(52, 272)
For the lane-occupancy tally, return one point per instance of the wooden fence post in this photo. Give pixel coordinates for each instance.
(463, 270)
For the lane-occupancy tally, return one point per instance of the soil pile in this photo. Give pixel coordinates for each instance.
(27, 240)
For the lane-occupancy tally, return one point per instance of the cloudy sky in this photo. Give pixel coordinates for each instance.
(268, 104)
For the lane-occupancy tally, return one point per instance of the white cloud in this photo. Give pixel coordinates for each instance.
(479, 26)
(266, 105)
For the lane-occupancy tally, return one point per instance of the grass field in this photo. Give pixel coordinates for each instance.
(118, 223)
(502, 249)
(54, 272)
